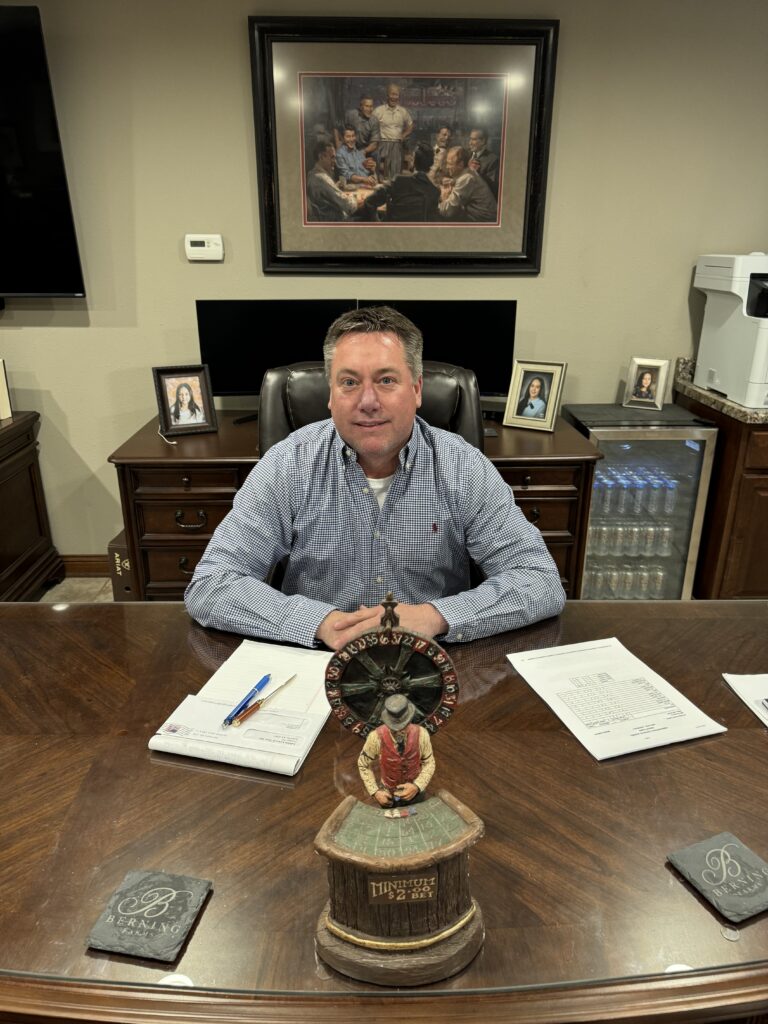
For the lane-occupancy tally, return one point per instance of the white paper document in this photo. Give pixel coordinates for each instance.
(753, 690)
(278, 736)
(610, 700)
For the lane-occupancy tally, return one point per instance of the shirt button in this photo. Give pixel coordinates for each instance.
(459, 636)
(376, 533)
(379, 579)
(365, 490)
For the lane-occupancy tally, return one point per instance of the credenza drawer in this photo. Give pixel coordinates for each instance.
(544, 477)
(550, 515)
(164, 520)
(185, 481)
(756, 456)
(165, 566)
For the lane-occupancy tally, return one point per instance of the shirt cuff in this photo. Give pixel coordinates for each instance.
(301, 626)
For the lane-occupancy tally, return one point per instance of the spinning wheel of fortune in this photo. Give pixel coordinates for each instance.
(385, 661)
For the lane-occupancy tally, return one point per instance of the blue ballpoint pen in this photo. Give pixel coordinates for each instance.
(247, 699)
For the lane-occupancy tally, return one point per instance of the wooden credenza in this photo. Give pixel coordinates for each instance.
(174, 496)
(28, 559)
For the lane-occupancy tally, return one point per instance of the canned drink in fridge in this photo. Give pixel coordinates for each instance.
(626, 582)
(602, 540)
(656, 582)
(597, 590)
(617, 540)
(632, 535)
(664, 541)
(611, 580)
(642, 583)
(647, 539)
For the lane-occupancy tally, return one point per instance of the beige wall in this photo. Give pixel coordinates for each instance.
(659, 153)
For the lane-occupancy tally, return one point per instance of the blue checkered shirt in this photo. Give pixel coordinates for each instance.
(309, 498)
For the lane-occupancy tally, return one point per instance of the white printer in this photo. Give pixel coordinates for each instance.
(732, 358)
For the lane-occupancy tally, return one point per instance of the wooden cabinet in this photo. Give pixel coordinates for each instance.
(174, 496)
(28, 559)
(733, 554)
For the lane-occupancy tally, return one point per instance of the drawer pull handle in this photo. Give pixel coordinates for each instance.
(202, 515)
(186, 482)
(183, 563)
(527, 480)
(535, 515)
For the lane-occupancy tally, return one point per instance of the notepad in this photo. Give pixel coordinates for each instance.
(279, 736)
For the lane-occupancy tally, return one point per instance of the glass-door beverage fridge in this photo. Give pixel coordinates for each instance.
(648, 500)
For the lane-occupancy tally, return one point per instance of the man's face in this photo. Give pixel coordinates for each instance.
(443, 135)
(350, 139)
(393, 95)
(327, 158)
(476, 142)
(373, 399)
(366, 107)
(453, 163)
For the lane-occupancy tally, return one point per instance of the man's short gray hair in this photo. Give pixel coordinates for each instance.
(377, 320)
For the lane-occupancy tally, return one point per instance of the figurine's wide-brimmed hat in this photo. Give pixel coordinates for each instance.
(398, 711)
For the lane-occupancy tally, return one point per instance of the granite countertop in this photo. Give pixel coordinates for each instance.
(684, 384)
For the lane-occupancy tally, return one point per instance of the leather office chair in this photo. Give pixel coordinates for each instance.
(293, 396)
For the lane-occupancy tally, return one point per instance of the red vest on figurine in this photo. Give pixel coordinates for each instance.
(396, 768)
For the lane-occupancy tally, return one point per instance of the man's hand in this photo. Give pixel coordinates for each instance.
(406, 791)
(338, 628)
(383, 797)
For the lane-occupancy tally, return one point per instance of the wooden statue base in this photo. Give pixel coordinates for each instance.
(369, 959)
(400, 911)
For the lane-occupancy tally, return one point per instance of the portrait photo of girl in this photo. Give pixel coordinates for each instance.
(534, 395)
(184, 399)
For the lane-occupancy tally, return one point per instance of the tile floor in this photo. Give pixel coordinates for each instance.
(75, 590)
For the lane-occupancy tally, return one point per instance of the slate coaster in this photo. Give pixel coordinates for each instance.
(727, 873)
(150, 915)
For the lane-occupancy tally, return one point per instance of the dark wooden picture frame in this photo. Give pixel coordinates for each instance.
(496, 75)
(184, 400)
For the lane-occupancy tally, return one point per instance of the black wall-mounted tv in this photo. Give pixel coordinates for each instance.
(240, 339)
(39, 254)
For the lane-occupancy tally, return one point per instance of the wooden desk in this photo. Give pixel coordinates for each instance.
(174, 496)
(583, 916)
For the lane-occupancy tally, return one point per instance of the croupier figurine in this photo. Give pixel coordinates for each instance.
(404, 753)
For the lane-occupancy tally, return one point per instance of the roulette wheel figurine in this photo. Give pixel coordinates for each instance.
(400, 910)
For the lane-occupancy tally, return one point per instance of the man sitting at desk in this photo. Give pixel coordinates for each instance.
(352, 163)
(371, 500)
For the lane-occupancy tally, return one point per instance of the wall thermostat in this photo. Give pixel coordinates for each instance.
(204, 247)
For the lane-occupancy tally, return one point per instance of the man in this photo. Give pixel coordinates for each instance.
(372, 500)
(351, 162)
(365, 124)
(404, 753)
(395, 125)
(410, 197)
(468, 197)
(325, 199)
(486, 164)
(442, 144)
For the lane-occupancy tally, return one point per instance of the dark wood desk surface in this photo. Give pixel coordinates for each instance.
(583, 916)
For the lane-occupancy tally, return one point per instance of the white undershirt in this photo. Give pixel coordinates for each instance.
(380, 488)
